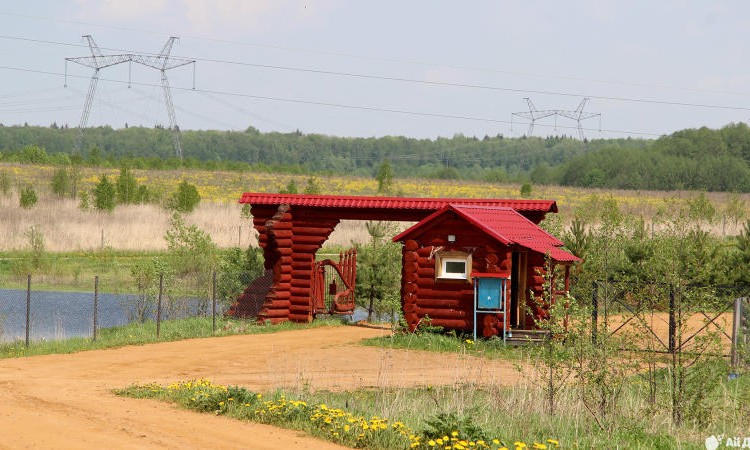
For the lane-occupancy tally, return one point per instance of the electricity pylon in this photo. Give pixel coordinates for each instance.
(578, 115)
(533, 114)
(161, 61)
(96, 61)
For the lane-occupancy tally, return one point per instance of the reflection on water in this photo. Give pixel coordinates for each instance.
(61, 315)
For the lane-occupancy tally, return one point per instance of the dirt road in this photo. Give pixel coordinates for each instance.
(65, 401)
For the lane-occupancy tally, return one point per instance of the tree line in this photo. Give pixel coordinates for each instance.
(699, 159)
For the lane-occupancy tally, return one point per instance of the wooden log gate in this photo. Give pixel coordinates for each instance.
(339, 298)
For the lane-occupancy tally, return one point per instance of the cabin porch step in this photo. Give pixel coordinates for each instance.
(520, 337)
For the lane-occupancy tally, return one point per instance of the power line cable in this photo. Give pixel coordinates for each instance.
(332, 104)
(367, 58)
(433, 83)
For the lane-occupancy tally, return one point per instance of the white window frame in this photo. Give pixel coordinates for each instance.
(443, 258)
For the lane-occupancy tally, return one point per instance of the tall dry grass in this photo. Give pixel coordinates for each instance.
(141, 227)
(132, 227)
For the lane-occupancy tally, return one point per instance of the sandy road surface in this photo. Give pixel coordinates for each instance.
(64, 401)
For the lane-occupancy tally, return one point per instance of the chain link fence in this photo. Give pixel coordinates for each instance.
(41, 311)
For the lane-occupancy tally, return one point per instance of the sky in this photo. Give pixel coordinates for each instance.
(418, 68)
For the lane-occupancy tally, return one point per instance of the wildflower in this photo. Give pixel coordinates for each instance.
(539, 446)
(431, 443)
(554, 442)
(454, 433)
(470, 341)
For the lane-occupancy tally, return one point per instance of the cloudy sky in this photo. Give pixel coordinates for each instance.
(420, 68)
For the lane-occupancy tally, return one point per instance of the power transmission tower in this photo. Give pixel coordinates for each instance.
(578, 115)
(96, 61)
(162, 61)
(533, 115)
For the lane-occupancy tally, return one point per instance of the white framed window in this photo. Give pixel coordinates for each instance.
(452, 265)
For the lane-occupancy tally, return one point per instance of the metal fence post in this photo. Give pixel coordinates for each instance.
(28, 308)
(213, 303)
(672, 321)
(96, 305)
(735, 356)
(594, 311)
(158, 306)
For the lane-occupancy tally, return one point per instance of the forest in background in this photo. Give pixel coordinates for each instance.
(692, 159)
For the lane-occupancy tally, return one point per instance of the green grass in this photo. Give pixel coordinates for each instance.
(73, 271)
(145, 333)
(474, 412)
(493, 348)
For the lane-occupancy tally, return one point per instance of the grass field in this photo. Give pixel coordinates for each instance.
(141, 227)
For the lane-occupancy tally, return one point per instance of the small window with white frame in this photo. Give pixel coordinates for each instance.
(452, 265)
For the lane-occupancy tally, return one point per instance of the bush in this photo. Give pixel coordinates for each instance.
(105, 195)
(61, 183)
(5, 182)
(185, 199)
(27, 197)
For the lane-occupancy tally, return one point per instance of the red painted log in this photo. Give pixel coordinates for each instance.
(313, 231)
(410, 277)
(410, 298)
(277, 313)
(305, 248)
(282, 278)
(409, 308)
(279, 292)
(443, 303)
(411, 245)
(300, 291)
(411, 288)
(308, 239)
(453, 324)
(301, 265)
(409, 257)
(425, 293)
(424, 252)
(277, 304)
(300, 318)
(282, 234)
(436, 313)
(284, 243)
(426, 272)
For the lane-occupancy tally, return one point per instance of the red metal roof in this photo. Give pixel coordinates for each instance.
(361, 202)
(505, 225)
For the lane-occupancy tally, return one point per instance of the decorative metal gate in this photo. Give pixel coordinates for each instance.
(332, 287)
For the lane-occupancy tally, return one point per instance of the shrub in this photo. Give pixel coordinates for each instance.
(104, 195)
(185, 199)
(61, 183)
(5, 182)
(127, 187)
(27, 197)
